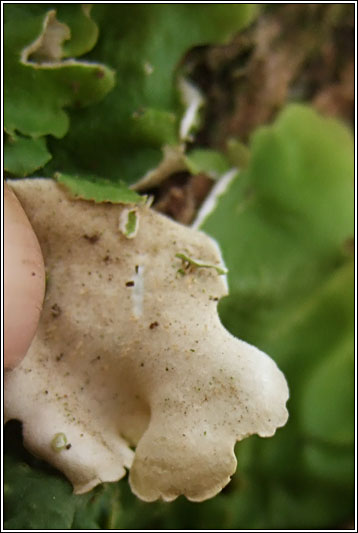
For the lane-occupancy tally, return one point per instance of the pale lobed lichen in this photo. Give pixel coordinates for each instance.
(135, 355)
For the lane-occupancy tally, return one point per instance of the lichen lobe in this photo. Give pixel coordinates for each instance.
(147, 365)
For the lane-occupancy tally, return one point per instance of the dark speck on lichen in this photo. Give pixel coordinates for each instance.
(56, 310)
(154, 325)
(130, 284)
(92, 239)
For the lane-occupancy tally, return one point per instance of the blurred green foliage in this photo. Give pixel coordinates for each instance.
(285, 226)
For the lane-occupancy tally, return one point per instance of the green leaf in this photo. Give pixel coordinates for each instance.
(329, 393)
(284, 226)
(129, 132)
(84, 30)
(23, 155)
(334, 466)
(210, 162)
(99, 189)
(237, 153)
(35, 495)
(291, 211)
(39, 83)
(293, 506)
(83, 33)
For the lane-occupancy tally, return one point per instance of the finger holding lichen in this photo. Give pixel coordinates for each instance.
(137, 356)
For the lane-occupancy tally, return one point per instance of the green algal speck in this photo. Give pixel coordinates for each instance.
(59, 442)
(190, 264)
(131, 225)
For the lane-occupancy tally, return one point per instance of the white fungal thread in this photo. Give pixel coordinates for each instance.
(138, 292)
(194, 100)
(210, 203)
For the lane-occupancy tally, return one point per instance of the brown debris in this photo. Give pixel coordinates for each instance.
(92, 239)
(293, 52)
(337, 99)
(56, 310)
(181, 196)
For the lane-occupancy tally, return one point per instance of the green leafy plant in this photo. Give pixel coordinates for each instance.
(286, 243)
(41, 80)
(124, 116)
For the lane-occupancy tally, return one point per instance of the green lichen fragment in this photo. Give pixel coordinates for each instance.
(59, 442)
(129, 223)
(210, 162)
(190, 264)
(132, 222)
